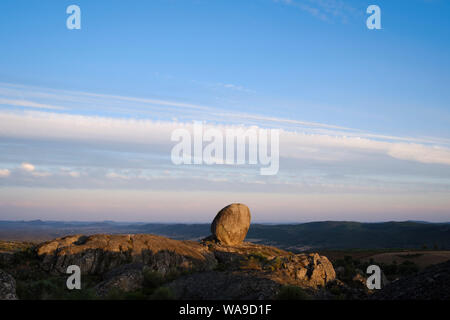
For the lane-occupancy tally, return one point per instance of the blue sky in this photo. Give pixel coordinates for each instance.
(369, 109)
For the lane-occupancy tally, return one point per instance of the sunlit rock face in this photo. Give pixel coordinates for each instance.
(231, 224)
(100, 253)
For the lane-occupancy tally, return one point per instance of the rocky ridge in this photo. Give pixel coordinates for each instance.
(221, 266)
(122, 260)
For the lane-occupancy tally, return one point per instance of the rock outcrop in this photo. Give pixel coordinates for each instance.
(231, 224)
(98, 254)
(251, 271)
(7, 287)
(126, 278)
(306, 270)
(219, 267)
(245, 271)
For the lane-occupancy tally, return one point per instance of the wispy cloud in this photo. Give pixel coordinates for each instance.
(28, 104)
(76, 102)
(326, 10)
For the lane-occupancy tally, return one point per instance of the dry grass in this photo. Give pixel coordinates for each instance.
(14, 246)
(423, 259)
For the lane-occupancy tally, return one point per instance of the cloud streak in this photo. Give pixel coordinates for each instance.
(326, 10)
(45, 125)
(28, 104)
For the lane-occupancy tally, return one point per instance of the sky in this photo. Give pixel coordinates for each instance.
(86, 116)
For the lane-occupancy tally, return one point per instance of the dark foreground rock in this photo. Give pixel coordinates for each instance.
(126, 278)
(433, 283)
(7, 287)
(6, 258)
(215, 285)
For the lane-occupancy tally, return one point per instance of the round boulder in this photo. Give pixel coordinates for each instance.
(231, 224)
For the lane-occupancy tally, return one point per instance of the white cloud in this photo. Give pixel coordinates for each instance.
(420, 153)
(74, 174)
(79, 102)
(4, 173)
(27, 166)
(92, 129)
(114, 175)
(339, 148)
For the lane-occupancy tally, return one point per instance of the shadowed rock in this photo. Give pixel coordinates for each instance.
(7, 287)
(213, 285)
(433, 283)
(126, 278)
(231, 224)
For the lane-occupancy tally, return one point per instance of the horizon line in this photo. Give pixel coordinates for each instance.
(194, 223)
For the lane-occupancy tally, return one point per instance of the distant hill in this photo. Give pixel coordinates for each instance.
(346, 235)
(296, 237)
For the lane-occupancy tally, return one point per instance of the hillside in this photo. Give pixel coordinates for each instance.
(347, 235)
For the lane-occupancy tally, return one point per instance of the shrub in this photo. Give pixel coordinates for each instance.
(135, 295)
(37, 290)
(115, 294)
(407, 268)
(152, 280)
(277, 263)
(53, 288)
(251, 263)
(162, 293)
(259, 256)
(292, 293)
